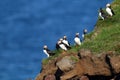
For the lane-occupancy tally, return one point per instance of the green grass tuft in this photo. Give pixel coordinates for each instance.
(74, 58)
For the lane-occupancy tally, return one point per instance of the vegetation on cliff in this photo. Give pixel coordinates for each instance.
(106, 35)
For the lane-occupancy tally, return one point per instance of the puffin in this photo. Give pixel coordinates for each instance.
(62, 45)
(102, 14)
(77, 39)
(47, 51)
(109, 10)
(84, 33)
(57, 45)
(66, 42)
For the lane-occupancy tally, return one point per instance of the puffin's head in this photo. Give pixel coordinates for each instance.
(108, 5)
(77, 34)
(45, 47)
(61, 39)
(59, 42)
(64, 37)
(85, 30)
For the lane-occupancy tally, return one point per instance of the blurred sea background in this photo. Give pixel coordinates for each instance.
(26, 25)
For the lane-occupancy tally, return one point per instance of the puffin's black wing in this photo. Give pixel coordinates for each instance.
(69, 43)
(113, 12)
(57, 47)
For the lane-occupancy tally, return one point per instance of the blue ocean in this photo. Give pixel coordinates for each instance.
(27, 25)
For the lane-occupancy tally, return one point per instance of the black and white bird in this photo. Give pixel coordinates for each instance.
(57, 45)
(77, 39)
(62, 45)
(102, 14)
(109, 10)
(84, 33)
(65, 41)
(47, 51)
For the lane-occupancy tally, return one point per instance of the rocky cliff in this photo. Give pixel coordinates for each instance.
(82, 65)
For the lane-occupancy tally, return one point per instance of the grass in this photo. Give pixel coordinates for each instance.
(108, 33)
(105, 37)
(74, 58)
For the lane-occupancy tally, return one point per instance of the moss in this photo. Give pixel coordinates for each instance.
(74, 58)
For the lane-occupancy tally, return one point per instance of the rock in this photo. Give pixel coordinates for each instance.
(84, 78)
(94, 65)
(77, 71)
(115, 63)
(66, 63)
(90, 65)
(84, 53)
(97, 67)
(49, 77)
(47, 69)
